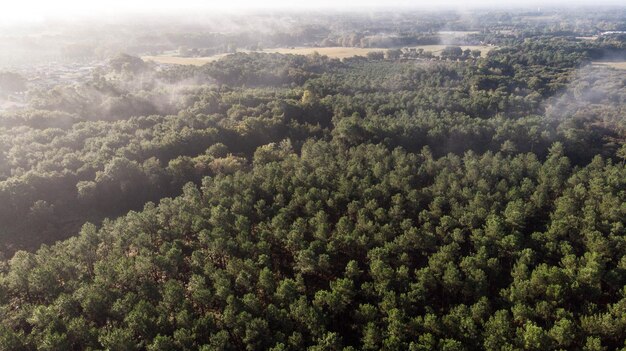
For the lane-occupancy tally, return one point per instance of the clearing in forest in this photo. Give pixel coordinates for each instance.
(334, 52)
(612, 64)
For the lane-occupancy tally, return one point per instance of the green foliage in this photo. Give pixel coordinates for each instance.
(307, 203)
(282, 262)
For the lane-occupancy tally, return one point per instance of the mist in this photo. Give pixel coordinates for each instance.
(37, 11)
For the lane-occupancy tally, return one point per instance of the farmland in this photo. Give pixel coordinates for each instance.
(334, 52)
(612, 64)
(177, 60)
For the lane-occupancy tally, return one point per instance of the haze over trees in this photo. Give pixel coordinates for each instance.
(399, 201)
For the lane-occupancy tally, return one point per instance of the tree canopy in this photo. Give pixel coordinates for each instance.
(284, 202)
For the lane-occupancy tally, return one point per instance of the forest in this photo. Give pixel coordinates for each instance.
(287, 202)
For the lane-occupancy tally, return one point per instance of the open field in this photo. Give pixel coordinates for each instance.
(457, 33)
(506, 31)
(334, 52)
(612, 64)
(540, 17)
(176, 60)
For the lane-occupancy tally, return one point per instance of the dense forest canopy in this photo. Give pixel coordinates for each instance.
(399, 201)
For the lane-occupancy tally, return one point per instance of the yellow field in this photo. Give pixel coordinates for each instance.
(174, 60)
(616, 64)
(457, 33)
(506, 31)
(541, 17)
(334, 52)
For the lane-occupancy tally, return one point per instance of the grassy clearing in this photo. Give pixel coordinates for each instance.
(541, 17)
(612, 64)
(334, 52)
(506, 31)
(457, 33)
(175, 60)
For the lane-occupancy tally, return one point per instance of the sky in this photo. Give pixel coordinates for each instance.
(37, 10)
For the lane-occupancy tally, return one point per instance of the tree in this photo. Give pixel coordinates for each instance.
(393, 54)
(375, 55)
